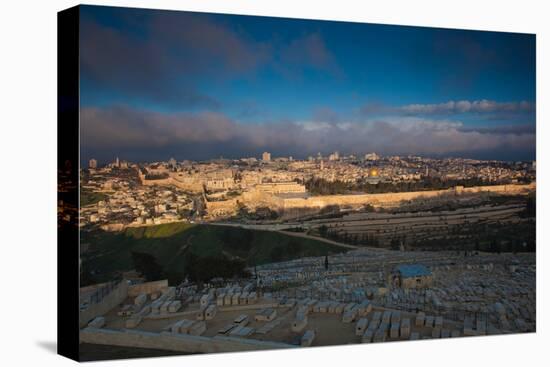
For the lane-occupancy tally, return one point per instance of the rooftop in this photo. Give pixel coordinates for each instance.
(416, 270)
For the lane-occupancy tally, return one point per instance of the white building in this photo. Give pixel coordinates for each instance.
(92, 163)
(372, 157)
(334, 156)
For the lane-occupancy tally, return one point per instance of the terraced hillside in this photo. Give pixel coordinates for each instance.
(465, 228)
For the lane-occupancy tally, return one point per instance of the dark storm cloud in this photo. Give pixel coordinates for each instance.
(164, 57)
(160, 63)
(308, 51)
(185, 136)
(469, 58)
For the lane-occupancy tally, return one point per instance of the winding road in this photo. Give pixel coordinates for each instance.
(289, 233)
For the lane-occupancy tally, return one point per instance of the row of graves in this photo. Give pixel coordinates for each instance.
(211, 301)
(370, 323)
(155, 305)
(500, 295)
(341, 288)
(506, 297)
(162, 305)
(375, 324)
(191, 294)
(360, 261)
(393, 325)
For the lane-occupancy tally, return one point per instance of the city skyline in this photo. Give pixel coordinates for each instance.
(236, 86)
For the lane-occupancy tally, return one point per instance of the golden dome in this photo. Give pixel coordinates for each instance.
(373, 172)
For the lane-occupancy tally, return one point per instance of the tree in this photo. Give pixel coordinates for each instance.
(493, 246)
(323, 230)
(394, 244)
(147, 265)
(203, 269)
(86, 276)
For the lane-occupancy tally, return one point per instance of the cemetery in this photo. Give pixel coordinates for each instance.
(363, 296)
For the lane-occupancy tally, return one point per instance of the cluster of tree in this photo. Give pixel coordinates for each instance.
(530, 207)
(285, 252)
(494, 238)
(204, 269)
(88, 197)
(319, 186)
(147, 265)
(363, 239)
(86, 276)
(156, 176)
(195, 268)
(296, 229)
(261, 213)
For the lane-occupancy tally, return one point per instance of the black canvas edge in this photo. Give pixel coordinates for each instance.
(68, 164)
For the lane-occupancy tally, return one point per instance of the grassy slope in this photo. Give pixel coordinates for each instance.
(88, 197)
(111, 252)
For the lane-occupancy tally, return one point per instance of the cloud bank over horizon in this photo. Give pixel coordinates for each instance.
(127, 132)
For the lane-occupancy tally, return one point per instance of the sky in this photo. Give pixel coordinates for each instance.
(160, 84)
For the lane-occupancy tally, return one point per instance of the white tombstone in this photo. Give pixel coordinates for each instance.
(307, 338)
(198, 328)
(140, 299)
(98, 322)
(361, 326)
(210, 312)
(420, 319)
(405, 328)
(174, 306)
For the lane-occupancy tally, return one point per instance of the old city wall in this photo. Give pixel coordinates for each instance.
(222, 207)
(174, 342)
(395, 198)
(110, 301)
(254, 199)
(171, 181)
(508, 189)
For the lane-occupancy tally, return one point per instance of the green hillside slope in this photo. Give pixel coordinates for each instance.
(111, 253)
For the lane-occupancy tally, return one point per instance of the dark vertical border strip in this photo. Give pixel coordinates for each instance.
(67, 185)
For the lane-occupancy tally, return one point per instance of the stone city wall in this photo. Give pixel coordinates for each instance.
(395, 198)
(172, 180)
(257, 198)
(222, 207)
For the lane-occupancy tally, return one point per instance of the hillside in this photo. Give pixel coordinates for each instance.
(109, 253)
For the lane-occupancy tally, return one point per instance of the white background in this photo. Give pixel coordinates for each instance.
(28, 181)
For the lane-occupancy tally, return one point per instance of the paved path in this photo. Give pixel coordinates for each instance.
(289, 233)
(322, 239)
